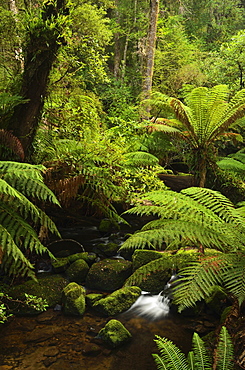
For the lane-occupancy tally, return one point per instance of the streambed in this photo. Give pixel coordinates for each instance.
(54, 341)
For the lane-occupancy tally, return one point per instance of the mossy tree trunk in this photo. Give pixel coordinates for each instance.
(40, 53)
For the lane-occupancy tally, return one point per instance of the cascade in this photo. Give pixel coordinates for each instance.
(154, 306)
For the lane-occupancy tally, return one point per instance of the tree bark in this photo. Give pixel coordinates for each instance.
(39, 57)
(151, 44)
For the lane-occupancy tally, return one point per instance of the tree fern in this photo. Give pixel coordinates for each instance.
(201, 216)
(16, 210)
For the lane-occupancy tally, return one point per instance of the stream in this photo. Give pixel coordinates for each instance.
(54, 341)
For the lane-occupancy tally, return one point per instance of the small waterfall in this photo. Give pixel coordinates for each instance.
(151, 306)
(155, 306)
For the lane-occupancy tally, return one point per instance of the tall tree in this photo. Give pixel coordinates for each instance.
(150, 48)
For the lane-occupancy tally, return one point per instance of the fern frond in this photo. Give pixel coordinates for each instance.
(191, 360)
(224, 352)
(140, 159)
(144, 271)
(201, 358)
(234, 277)
(7, 139)
(13, 260)
(198, 280)
(231, 164)
(170, 355)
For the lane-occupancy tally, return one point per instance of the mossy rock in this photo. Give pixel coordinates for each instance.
(154, 275)
(106, 226)
(108, 274)
(114, 334)
(92, 298)
(77, 271)
(90, 258)
(108, 250)
(142, 257)
(60, 265)
(217, 301)
(73, 299)
(117, 302)
(47, 287)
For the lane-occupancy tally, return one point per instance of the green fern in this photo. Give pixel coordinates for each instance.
(16, 211)
(171, 358)
(224, 352)
(198, 216)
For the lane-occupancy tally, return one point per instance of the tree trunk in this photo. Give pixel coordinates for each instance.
(39, 58)
(151, 44)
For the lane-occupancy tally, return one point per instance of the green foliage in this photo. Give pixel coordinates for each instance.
(19, 183)
(171, 357)
(38, 303)
(194, 217)
(206, 116)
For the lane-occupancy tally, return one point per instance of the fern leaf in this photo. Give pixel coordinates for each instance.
(198, 280)
(202, 360)
(140, 159)
(224, 352)
(170, 355)
(234, 277)
(191, 360)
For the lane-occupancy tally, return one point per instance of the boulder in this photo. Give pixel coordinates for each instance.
(108, 274)
(92, 298)
(73, 299)
(90, 258)
(77, 271)
(142, 257)
(47, 287)
(114, 334)
(108, 250)
(60, 265)
(117, 302)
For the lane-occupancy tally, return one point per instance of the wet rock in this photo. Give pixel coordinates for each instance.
(42, 334)
(51, 352)
(74, 299)
(47, 287)
(117, 302)
(87, 257)
(91, 349)
(108, 250)
(108, 275)
(60, 265)
(92, 298)
(77, 271)
(49, 361)
(46, 317)
(142, 257)
(115, 334)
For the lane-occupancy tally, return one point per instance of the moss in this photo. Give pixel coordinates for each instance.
(92, 298)
(73, 299)
(87, 257)
(60, 265)
(114, 334)
(77, 271)
(142, 257)
(106, 226)
(117, 302)
(47, 287)
(108, 275)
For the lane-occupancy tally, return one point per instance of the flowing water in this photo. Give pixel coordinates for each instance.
(54, 341)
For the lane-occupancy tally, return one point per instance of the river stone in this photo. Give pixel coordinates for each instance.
(108, 250)
(117, 302)
(142, 257)
(114, 334)
(47, 287)
(73, 299)
(60, 265)
(87, 257)
(77, 271)
(108, 274)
